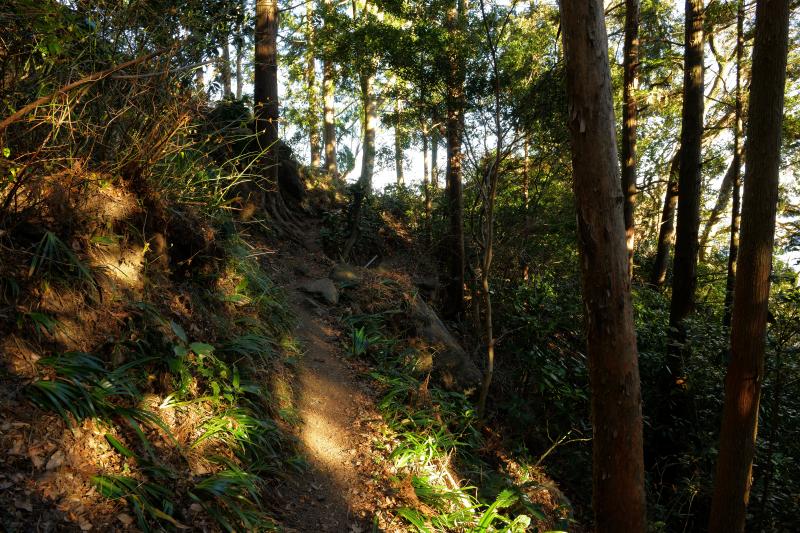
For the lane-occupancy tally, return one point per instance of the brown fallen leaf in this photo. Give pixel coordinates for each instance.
(125, 518)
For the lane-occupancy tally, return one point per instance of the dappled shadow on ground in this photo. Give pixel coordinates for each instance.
(335, 493)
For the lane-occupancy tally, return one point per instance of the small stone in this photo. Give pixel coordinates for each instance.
(125, 518)
(344, 273)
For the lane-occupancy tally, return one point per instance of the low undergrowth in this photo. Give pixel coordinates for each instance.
(178, 398)
(451, 474)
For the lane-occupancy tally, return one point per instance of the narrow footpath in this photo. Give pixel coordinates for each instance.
(345, 488)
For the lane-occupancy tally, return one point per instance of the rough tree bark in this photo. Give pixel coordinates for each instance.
(455, 100)
(618, 464)
(628, 151)
(749, 320)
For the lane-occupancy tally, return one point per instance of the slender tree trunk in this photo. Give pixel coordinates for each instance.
(240, 48)
(426, 185)
(239, 57)
(733, 250)
(749, 321)
(630, 84)
(329, 116)
(724, 196)
(226, 67)
(684, 275)
(364, 184)
(398, 145)
(329, 127)
(435, 157)
(526, 227)
(487, 231)
(454, 307)
(370, 121)
(311, 89)
(666, 231)
(618, 464)
(265, 90)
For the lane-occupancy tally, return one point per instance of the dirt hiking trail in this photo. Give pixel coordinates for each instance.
(345, 485)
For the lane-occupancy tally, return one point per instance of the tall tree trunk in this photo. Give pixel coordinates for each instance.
(364, 184)
(618, 464)
(311, 89)
(239, 55)
(489, 194)
(733, 250)
(398, 144)
(370, 121)
(426, 185)
(666, 231)
(435, 157)
(749, 321)
(454, 307)
(329, 116)
(630, 84)
(265, 90)
(684, 275)
(239, 40)
(526, 225)
(226, 67)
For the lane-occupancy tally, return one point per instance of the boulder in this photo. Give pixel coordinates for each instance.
(323, 289)
(451, 363)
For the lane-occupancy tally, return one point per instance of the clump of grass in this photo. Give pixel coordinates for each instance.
(233, 498)
(149, 500)
(52, 257)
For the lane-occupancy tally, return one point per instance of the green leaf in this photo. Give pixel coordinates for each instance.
(178, 330)
(201, 348)
(6, 151)
(415, 517)
(113, 441)
(108, 487)
(105, 240)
